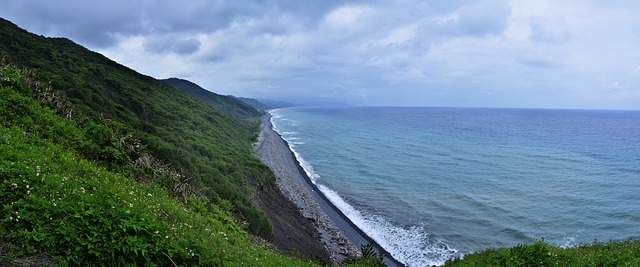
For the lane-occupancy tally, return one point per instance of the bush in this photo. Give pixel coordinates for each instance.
(63, 201)
(540, 253)
(368, 257)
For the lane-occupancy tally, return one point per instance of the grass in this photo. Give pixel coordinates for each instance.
(65, 202)
(541, 253)
(58, 204)
(211, 150)
(76, 191)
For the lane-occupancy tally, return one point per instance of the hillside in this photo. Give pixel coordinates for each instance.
(227, 104)
(101, 165)
(212, 149)
(77, 191)
(75, 122)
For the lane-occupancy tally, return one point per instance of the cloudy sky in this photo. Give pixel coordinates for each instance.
(495, 53)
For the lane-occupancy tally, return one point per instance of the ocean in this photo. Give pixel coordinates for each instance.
(430, 184)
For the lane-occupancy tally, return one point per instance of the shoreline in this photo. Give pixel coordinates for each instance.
(337, 233)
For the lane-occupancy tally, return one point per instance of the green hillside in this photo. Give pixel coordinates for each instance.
(211, 149)
(100, 165)
(227, 104)
(77, 191)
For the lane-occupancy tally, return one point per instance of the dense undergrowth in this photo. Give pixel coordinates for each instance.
(541, 253)
(72, 193)
(209, 149)
(229, 105)
(77, 189)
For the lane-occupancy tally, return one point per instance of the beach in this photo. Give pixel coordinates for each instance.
(338, 236)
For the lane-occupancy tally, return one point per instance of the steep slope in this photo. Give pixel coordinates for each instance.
(65, 202)
(227, 104)
(212, 149)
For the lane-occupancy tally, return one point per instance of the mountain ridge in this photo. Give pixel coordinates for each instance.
(212, 148)
(209, 150)
(227, 104)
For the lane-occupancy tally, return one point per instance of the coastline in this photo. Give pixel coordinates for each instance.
(339, 236)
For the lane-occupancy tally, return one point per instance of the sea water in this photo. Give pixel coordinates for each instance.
(429, 184)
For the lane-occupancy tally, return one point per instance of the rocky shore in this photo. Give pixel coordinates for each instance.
(330, 228)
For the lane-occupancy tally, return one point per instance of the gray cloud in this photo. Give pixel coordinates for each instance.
(470, 18)
(538, 62)
(548, 30)
(172, 44)
(397, 52)
(484, 17)
(101, 22)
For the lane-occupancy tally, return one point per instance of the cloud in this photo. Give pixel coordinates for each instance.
(473, 18)
(483, 17)
(172, 44)
(549, 30)
(538, 61)
(100, 23)
(396, 52)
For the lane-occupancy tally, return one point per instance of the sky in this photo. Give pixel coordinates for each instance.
(460, 53)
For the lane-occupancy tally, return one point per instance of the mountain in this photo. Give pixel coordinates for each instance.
(227, 104)
(102, 165)
(264, 104)
(78, 191)
(208, 146)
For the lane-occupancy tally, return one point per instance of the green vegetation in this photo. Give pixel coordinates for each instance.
(105, 166)
(65, 201)
(541, 253)
(369, 257)
(209, 149)
(227, 104)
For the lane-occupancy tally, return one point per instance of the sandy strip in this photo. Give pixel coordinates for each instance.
(339, 235)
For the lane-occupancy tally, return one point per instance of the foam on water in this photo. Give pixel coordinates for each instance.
(568, 242)
(428, 184)
(409, 245)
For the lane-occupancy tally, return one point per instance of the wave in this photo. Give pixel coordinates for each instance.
(411, 245)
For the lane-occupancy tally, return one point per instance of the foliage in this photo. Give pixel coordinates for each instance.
(229, 105)
(64, 201)
(541, 253)
(209, 149)
(369, 257)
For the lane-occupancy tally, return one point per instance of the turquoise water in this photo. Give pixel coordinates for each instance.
(432, 183)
